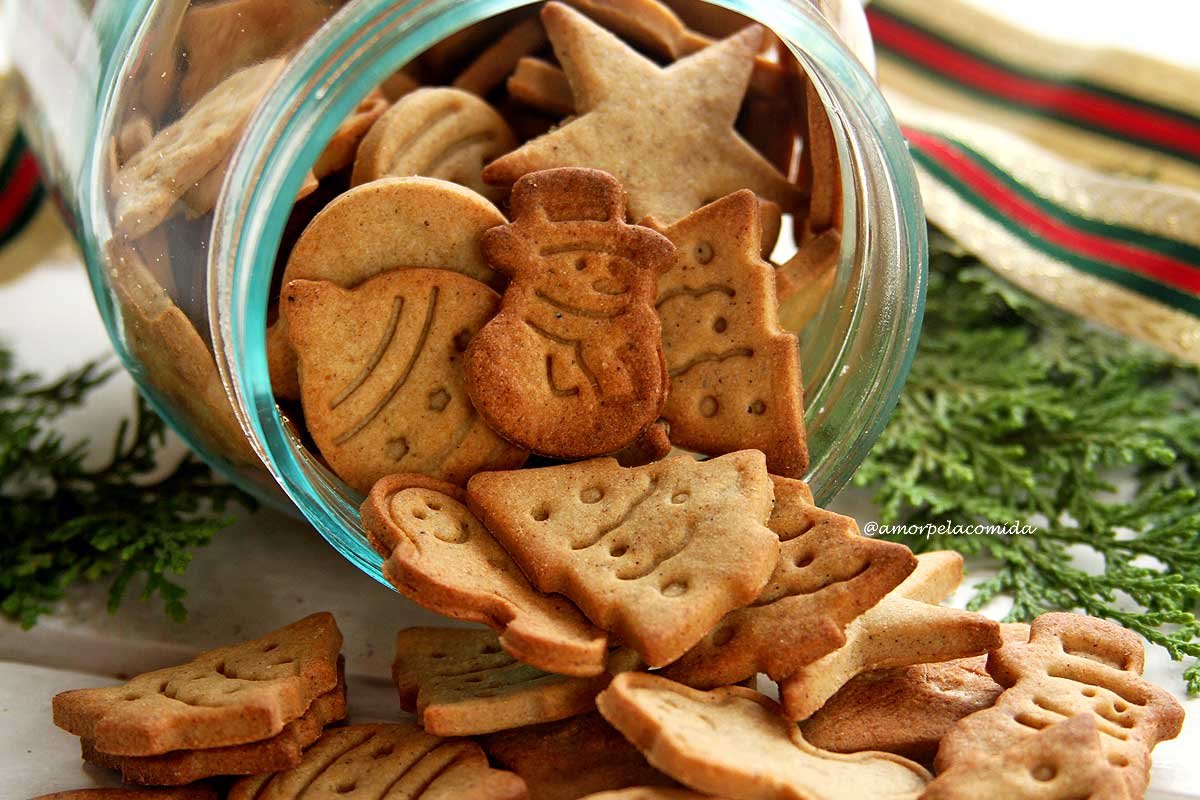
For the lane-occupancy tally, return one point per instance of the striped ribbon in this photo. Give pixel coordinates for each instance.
(1074, 172)
(20, 189)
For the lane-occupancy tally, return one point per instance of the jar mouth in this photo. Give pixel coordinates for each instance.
(857, 350)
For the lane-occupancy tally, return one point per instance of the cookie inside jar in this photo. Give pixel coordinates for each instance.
(639, 208)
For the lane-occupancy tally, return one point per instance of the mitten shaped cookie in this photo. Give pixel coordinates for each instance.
(572, 366)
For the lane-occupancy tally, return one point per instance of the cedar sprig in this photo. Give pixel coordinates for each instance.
(1018, 412)
(64, 522)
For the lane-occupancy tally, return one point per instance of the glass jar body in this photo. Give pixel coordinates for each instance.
(188, 304)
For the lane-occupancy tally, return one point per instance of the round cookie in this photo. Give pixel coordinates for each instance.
(438, 132)
(382, 379)
(388, 224)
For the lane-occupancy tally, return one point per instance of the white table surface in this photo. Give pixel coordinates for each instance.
(268, 569)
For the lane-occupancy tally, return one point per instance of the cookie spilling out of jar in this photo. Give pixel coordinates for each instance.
(550, 236)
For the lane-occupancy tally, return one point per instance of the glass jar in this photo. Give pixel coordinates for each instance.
(188, 306)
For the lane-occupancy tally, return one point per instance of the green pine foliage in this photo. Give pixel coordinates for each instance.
(1016, 412)
(63, 522)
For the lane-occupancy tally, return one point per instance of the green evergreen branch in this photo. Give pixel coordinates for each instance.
(1018, 412)
(64, 523)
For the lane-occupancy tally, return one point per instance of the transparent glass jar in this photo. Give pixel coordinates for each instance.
(187, 307)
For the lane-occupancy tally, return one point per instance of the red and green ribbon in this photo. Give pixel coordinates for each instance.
(1157, 267)
(20, 189)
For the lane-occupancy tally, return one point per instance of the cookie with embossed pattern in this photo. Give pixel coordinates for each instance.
(572, 366)
(180, 767)
(826, 576)
(438, 132)
(387, 224)
(386, 762)
(735, 373)
(381, 375)
(232, 695)
(645, 552)
(1063, 761)
(460, 682)
(1072, 664)
(438, 554)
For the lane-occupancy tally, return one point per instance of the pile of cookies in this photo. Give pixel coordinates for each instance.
(632, 612)
(425, 329)
(549, 235)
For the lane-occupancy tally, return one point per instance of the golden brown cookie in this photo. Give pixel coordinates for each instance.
(1064, 761)
(388, 224)
(281, 751)
(460, 682)
(381, 375)
(827, 575)
(145, 189)
(645, 552)
(438, 132)
(219, 37)
(494, 63)
(439, 555)
(733, 742)
(395, 223)
(649, 24)
(654, 444)
(385, 762)
(136, 132)
(694, 154)
(169, 353)
(232, 695)
(735, 374)
(804, 281)
(341, 149)
(572, 366)
(820, 165)
(1072, 664)
(542, 85)
(566, 760)
(197, 792)
(906, 710)
(903, 628)
(656, 28)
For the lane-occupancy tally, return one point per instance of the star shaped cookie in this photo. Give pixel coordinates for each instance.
(666, 134)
